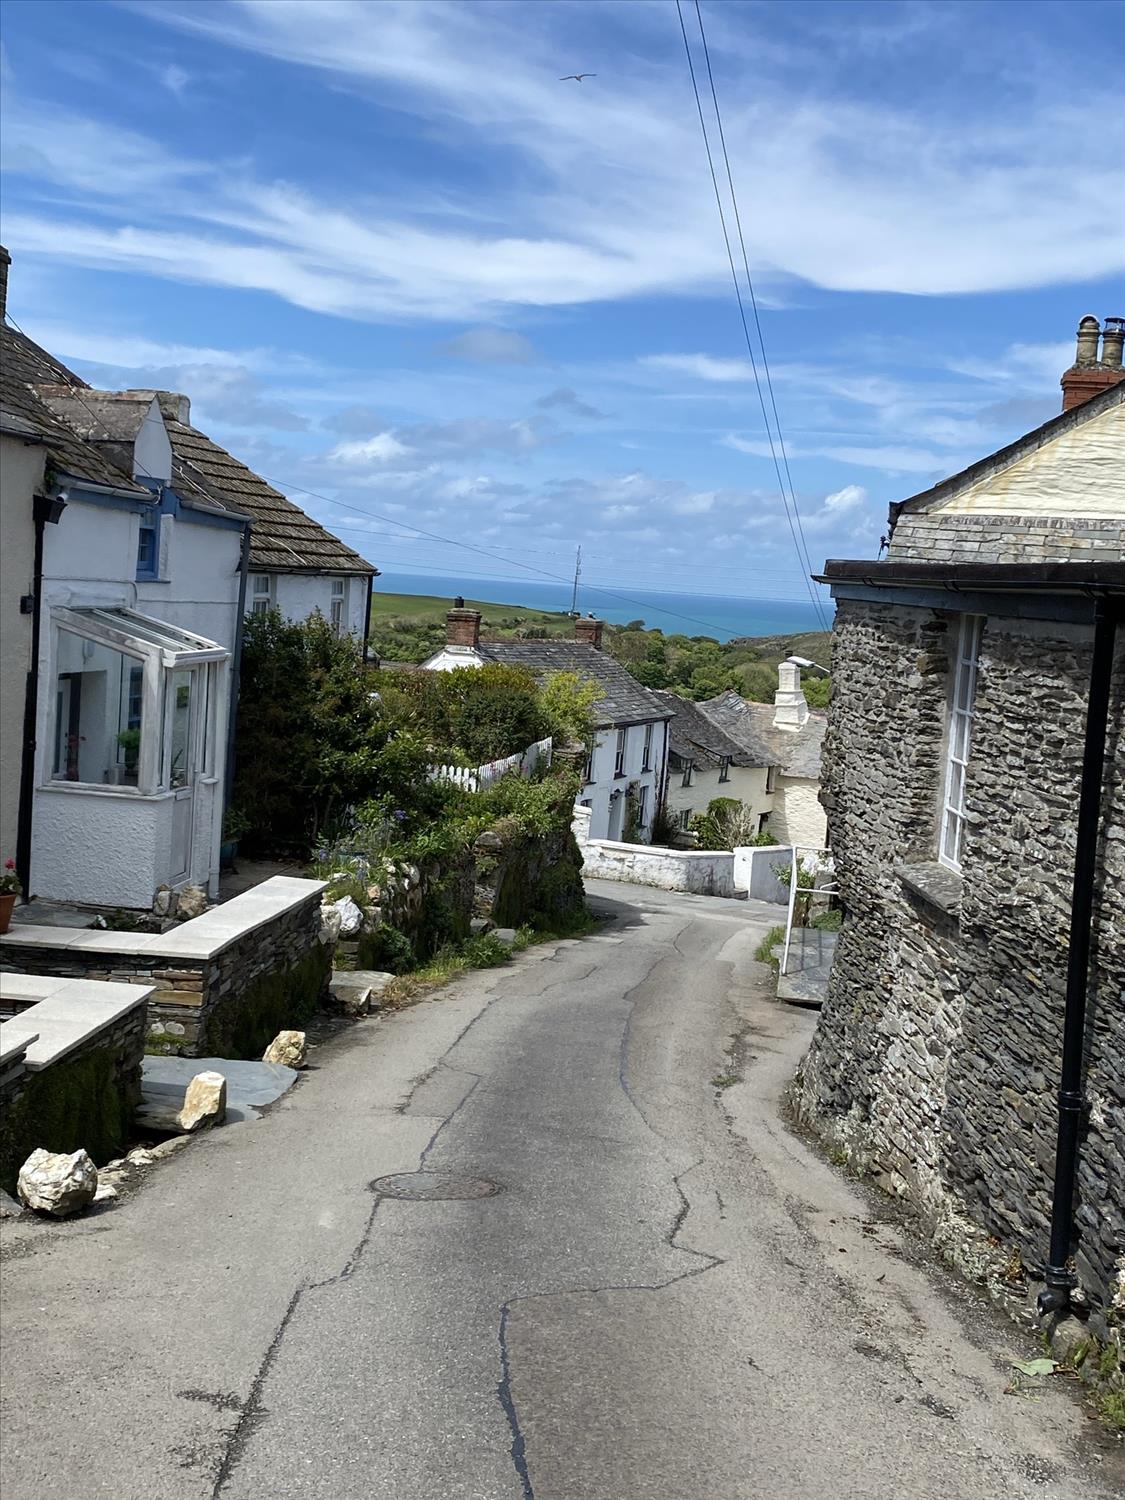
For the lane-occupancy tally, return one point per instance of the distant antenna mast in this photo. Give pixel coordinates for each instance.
(577, 576)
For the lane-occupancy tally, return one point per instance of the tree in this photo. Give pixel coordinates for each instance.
(567, 704)
(728, 824)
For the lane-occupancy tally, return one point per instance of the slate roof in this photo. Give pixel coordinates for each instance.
(623, 700)
(796, 751)
(693, 736)
(283, 539)
(23, 366)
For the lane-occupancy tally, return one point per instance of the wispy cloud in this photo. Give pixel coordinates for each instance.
(701, 366)
(498, 346)
(610, 201)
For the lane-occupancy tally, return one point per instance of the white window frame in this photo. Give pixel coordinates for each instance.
(160, 649)
(338, 605)
(619, 753)
(646, 759)
(689, 773)
(261, 599)
(959, 741)
(771, 780)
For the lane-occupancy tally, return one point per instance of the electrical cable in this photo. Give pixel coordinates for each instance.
(745, 325)
(750, 285)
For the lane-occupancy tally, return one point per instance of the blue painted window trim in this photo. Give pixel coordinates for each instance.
(148, 559)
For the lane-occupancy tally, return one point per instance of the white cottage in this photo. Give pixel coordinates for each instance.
(133, 592)
(624, 775)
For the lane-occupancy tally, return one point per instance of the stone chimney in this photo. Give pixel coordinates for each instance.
(790, 708)
(174, 407)
(589, 631)
(1090, 374)
(462, 626)
(5, 262)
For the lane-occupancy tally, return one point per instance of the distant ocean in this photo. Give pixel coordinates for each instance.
(676, 614)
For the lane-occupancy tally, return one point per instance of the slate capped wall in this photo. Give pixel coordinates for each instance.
(936, 1058)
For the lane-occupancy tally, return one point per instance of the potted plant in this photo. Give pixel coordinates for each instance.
(235, 824)
(130, 742)
(10, 888)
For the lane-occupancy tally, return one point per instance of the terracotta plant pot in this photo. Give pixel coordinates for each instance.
(8, 900)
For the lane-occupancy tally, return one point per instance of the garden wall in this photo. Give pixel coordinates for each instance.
(70, 1067)
(222, 984)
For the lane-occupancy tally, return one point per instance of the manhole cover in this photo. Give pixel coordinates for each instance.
(424, 1187)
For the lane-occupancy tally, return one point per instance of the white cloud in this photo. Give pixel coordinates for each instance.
(893, 458)
(605, 197)
(701, 366)
(844, 500)
(491, 346)
(174, 78)
(383, 448)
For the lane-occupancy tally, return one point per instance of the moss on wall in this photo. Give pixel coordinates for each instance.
(82, 1101)
(539, 884)
(245, 1022)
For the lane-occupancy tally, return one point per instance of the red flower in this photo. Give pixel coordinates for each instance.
(9, 864)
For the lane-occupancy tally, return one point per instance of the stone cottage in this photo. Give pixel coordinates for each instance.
(975, 789)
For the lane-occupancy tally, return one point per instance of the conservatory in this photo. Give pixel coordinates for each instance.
(132, 751)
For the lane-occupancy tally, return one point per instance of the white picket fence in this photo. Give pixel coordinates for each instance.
(480, 778)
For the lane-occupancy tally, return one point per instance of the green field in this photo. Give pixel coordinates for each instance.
(428, 609)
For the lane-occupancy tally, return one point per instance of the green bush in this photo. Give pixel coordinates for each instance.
(470, 716)
(312, 741)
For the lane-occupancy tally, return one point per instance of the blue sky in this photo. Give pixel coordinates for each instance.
(395, 261)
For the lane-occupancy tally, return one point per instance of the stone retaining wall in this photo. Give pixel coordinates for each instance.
(70, 1068)
(221, 981)
(936, 1059)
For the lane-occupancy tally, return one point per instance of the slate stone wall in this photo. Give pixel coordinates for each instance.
(85, 1099)
(191, 991)
(936, 1059)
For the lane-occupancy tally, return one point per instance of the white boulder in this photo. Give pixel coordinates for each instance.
(329, 924)
(58, 1183)
(205, 1102)
(351, 915)
(287, 1048)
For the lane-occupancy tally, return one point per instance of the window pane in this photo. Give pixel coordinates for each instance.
(956, 794)
(959, 746)
(183, 687)
(96, 736)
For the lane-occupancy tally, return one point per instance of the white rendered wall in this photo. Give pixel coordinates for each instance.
(607, 812)
(706, 873)
(798, 817)
(99, 846)
(746, 784)
(299, 595)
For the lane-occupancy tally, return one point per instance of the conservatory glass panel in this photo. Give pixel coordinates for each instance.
(98, 713)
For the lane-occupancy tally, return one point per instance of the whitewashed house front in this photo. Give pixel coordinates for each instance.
(624, 774)
(134, 596)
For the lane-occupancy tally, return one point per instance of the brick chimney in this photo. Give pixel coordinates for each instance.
(790, 707)
(1090, 374)
(589, 631)
(5, 262)
(462, 626)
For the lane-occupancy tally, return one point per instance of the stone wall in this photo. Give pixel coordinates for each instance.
(73, 1078)
(225, 982)
(936, 1059)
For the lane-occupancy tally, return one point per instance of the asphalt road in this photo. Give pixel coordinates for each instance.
(657, 1292)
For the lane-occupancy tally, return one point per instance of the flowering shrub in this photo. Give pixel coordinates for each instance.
(10, 883)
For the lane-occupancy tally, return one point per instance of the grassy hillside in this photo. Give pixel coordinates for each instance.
(410, 627)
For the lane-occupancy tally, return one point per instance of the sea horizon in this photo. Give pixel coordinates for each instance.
(724, 617)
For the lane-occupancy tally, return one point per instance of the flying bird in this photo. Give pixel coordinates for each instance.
(578, 77)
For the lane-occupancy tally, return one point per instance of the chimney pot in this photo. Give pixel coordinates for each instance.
(589, 631)
(1113, 339)
(1088, 334)
(462, 627)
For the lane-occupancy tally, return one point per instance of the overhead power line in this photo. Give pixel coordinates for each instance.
(791, 518)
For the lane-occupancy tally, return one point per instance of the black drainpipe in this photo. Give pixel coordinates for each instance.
(1060, 1280)
(45, 510)
(367, 614)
